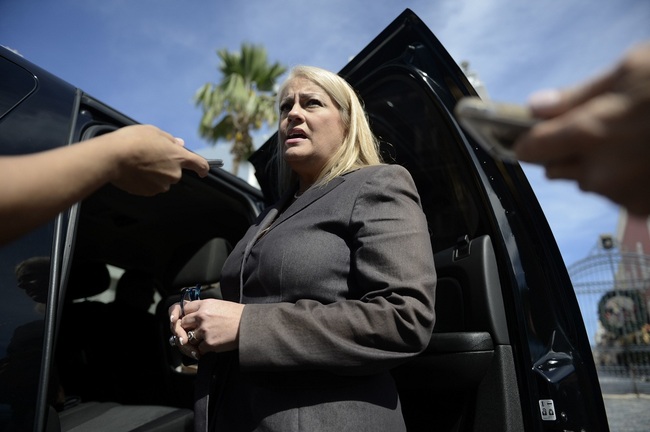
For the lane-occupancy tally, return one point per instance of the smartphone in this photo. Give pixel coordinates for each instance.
(494, 125)
(215, 163)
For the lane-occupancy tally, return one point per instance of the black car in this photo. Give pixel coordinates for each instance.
(509, 350)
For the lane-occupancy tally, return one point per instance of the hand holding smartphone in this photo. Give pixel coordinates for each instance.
(215, 163)
(494, 125)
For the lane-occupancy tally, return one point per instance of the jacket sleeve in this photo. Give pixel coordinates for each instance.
(391, 316)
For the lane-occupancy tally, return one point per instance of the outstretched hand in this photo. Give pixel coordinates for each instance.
(151, 160)
(598, 133)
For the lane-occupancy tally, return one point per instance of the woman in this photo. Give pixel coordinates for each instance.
(329, 289)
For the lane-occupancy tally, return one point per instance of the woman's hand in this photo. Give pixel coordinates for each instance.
(213, 325)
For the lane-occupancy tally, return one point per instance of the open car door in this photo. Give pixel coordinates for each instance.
(509, 351)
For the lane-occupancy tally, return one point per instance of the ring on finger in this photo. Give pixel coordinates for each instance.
(172, 340)
(191, 337)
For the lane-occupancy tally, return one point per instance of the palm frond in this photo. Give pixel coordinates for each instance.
(241, 101)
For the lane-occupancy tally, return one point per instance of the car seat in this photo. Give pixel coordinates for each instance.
(84, 333)
(87, 354)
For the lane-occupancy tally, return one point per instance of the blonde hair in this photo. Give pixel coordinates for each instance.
(359, 148)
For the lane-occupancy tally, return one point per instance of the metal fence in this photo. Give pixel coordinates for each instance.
(613, 289)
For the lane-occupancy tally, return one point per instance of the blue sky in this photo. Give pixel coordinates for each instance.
(146, 58)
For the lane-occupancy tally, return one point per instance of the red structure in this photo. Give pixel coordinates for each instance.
(634, 234)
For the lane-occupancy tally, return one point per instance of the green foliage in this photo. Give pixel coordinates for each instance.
(241, 102)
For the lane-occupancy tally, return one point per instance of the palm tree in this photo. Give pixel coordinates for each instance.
(241, 102)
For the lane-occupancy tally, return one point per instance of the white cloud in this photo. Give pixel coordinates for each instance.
(517, 47)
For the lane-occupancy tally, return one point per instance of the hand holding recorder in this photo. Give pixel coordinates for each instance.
(597, 133)
(495, 125)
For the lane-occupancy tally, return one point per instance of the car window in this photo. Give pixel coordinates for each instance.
(415, 133)
(24, 278)
(15, 86)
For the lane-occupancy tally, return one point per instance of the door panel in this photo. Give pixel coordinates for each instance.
(468, 364)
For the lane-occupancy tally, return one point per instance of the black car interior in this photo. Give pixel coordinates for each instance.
(464, 378)
(111, 367)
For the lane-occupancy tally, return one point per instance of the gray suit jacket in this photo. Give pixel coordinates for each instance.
(339, 288)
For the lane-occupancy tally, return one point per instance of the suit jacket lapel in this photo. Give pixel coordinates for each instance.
(308, 198)
(272, 219)
(261, 228)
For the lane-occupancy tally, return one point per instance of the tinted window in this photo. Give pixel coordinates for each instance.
(15, 85)
(415, 133)
(24, 279)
